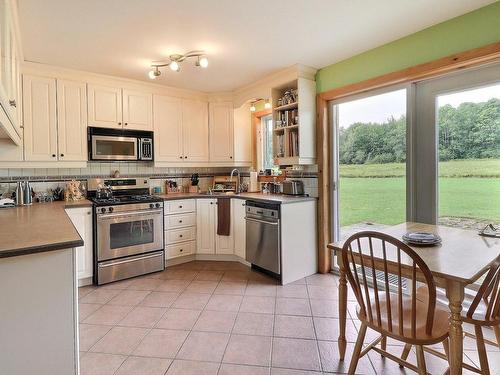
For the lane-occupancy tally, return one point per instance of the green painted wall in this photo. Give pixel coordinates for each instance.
(475, 29)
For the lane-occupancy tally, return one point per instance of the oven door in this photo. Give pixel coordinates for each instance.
(129, 233)
(105, 147)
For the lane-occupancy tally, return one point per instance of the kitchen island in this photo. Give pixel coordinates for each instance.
(38, 290)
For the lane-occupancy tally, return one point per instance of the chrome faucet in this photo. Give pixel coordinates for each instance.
(238, 182)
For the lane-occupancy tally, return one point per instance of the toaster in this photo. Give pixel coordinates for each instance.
(293, 187)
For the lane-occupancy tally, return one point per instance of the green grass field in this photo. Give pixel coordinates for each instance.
(367, 195)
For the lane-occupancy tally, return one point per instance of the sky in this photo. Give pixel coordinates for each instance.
(381, 107)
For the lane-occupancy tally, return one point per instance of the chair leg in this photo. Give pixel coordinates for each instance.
(481, 351)
(405, 353)
(422, 370)
(357, 349)
(383, 343)
(497, 334)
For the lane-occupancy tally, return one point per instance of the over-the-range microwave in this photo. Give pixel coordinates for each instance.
(119, 145)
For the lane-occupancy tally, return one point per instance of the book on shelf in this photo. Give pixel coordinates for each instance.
(293, 143)
(287, 118)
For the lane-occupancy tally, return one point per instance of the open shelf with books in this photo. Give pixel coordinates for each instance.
(294, 113)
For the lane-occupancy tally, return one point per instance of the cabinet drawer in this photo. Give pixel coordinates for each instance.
(180, 221)
(180, 235)
(181, 249)
(180, 206)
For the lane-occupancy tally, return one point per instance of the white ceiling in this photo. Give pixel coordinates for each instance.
(244, 40)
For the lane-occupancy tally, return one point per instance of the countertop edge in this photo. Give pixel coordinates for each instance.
(40, 249)
(280, 199)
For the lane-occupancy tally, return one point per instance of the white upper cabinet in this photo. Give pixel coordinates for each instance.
(243, 135)
(105, 106)
(40, 126)
(111, 107)
(195, 131)
(10, 76)
(221, 132)
(137, 110)
(72, 120)
(167, 120)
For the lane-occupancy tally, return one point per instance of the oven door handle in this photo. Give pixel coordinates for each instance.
(128, 214)
(113, 263)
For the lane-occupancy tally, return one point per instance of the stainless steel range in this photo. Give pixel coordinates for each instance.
(128, 229)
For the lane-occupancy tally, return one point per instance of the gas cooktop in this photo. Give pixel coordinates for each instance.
(124, 199)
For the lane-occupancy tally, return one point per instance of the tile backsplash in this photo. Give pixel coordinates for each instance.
(43, 179)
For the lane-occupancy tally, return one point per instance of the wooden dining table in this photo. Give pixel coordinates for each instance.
(461, 259)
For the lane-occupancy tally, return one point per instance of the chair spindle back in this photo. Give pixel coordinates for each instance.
(358, 254)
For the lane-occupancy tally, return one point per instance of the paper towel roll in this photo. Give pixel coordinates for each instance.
(254, 184)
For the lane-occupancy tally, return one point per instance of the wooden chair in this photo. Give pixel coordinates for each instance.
(481, 311)
(393, 314)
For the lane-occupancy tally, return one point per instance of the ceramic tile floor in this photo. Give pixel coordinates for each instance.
(223, 318)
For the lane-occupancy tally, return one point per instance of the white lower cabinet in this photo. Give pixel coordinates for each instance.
(239, 227)
(205, 225)
(225, 244)
(81, 218)
(180, 228)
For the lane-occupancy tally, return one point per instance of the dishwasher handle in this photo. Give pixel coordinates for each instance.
(262, 221)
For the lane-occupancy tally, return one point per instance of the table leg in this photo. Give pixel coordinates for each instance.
(455, 294)
(342, 310)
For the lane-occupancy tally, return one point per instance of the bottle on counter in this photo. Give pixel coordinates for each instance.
(27, 193)
(19, 194)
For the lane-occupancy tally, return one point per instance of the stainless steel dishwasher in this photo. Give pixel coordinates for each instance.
(263, 242)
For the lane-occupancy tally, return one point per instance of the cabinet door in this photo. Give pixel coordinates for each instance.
(72, 120)
(105, 106)
(205, 226)
(239, 227)
(40, 126)
(137, 110)
(195, 130)
(243, 134)
(167, 121)
(221, 131)
(82, 220)
(225, 244)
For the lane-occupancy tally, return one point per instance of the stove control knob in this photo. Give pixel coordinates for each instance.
(157, 205)
(103, 210)
(110, 209)
(151, 205)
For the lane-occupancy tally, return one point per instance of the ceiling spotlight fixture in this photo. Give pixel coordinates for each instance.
(252, 108)
(267, 105)
(153, 74)
(174, 62)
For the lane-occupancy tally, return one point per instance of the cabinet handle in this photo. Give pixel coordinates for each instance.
(185, 157)
(180, 221)
(180, 250)
(62, 155)
(126, 124)
(119, 123)
(180, 157)
(13, 103)
(230, 157)
(243, 204)
(53, 155)
(180, 235)
(211, 202)
(180, 206)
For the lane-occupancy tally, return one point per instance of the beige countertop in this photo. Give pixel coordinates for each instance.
(273, 198)
(38, 228)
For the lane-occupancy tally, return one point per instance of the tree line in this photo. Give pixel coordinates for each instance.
(470, 131)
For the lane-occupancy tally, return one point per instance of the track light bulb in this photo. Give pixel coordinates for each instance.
(267, 105)
(174, 65)
(153, 74)
(252, 108)
(203, 62)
